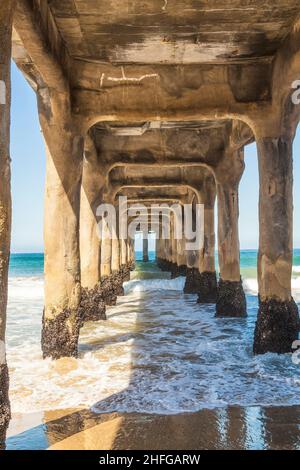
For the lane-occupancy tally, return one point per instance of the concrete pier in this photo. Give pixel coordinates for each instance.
(158, 111)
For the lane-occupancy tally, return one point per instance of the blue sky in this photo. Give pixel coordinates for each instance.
(28, 176)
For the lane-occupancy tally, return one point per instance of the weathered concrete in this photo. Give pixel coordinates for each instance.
(208, 281)
(192, 256)
(153, 53)
(108, 290)
(106, 252)
(177, 271)
(277, 326)
(64, 145)
(125, 272)
(6, 13)
(181, 257)
(130, 254)
(115, 256)
(92, 304)
(208, 287)
(4, 404)
(60, 333)
(145, 249)
(93, 179)
(231, 300)
(123, 252)
(163, 264)
(118, 283)
(278, 319)
(193, 281)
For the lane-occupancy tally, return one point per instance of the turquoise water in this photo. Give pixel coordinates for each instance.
(32, 264)
(26, 265)
(248, 261)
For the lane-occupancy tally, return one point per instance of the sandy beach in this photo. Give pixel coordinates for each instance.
(219, 429)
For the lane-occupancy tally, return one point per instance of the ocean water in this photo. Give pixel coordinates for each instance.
(158, 352)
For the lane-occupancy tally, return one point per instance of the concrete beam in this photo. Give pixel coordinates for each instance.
(41, 46)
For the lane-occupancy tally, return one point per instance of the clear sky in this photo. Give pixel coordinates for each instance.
(28, 175)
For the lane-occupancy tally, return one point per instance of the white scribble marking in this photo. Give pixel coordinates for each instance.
(127, 79)
(2, 92)
(164, 8)
(2, 353)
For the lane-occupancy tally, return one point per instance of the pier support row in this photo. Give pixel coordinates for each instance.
(85, 270)
(231, 300)
(277, 324)
(199, 265)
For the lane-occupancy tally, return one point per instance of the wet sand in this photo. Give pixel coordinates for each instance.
(221, 428)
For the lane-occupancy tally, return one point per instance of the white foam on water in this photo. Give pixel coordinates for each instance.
(144, 285)
(251, 287)
(158, 352)
(31, 288)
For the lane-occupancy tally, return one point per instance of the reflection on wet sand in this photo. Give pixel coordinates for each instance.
(221, 428)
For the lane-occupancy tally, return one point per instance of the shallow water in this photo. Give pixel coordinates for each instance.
(159, 352)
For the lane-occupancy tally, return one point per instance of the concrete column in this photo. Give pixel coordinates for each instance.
(123, 252)
(208, 278)
(277, 324)
(181, 257)
(174, 266)
(160, 253)
(93, 180)
(106, 252)
(131, 255)
(166, 263)
(158, 249)
(115, 254)
(90, 244)
(6, 13)
(64, 150)
(145, 248)
(107, 279)
(168, 251)
(231, 300)
(92, 303)
(163, 244)
(192, 282)
(125, 268)
(179, 249)
(117, 273)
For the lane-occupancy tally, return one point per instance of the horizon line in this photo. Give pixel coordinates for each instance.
(42, 252)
